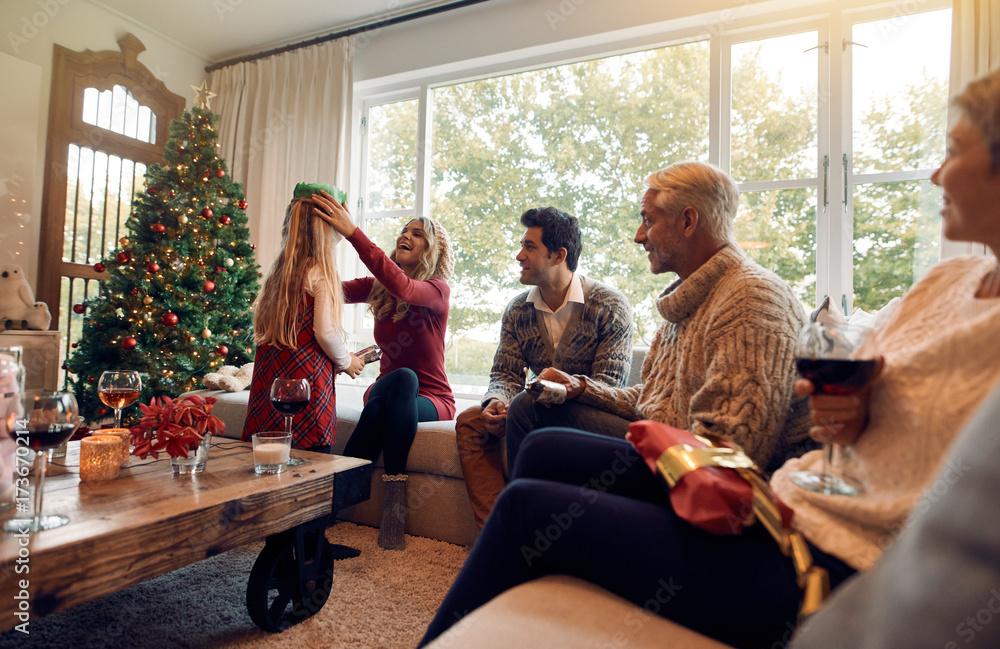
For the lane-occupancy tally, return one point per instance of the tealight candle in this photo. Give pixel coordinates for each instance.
(100, 457)
(123, 451)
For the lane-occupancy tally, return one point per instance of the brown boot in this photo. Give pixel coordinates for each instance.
(390, 534)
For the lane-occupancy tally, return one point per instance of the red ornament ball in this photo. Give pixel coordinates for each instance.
(129, 343)
(207, 213)
(221, 350)
(122, 257)
(75, 345)
(224, 220)
(79, 308)
(134, 291)
(201, 262)
(159, 228)
(99, 267)
(169, 319)
(152, 267)
(242, 204)
(172, 194)
(220, 173)
(90, 379)
(190, 136)
(151, 190)
(208, 286)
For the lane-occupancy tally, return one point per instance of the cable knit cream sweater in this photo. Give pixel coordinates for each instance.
(942, 353)
(723, 362)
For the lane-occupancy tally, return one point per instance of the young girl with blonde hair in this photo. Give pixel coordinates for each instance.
(409, 298)
(297, 328)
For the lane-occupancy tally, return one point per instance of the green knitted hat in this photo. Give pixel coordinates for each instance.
(306, 190)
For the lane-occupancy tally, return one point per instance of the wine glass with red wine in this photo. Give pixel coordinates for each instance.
(49, 419)
(119, 389)
(828, 356)
(290, 397)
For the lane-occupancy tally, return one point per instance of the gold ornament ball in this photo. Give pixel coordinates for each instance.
(182, 219)
(206, 333)
(147, 300)
(124, 241)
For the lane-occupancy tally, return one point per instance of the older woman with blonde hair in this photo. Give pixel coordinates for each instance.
(409, 299)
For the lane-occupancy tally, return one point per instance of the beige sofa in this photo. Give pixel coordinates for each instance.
(565, 612)
(439, 503)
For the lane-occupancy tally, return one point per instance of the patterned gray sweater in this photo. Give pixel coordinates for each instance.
(597, 342)
(723, 362)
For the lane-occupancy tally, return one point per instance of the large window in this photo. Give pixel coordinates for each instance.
(108, 120)
(831, 145)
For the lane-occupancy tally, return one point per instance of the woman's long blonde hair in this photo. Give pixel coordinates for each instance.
(380, 302)
(305, 241)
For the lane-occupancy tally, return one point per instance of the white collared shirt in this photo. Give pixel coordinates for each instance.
(556, 320)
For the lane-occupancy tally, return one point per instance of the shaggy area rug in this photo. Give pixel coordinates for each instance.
(380, 599)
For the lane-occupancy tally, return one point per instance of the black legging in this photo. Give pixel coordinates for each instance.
(388, 422)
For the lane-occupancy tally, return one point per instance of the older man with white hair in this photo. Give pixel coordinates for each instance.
(722, 362)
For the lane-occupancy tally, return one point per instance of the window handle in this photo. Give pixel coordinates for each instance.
(847, 171)
(825, 45)
(826, 182)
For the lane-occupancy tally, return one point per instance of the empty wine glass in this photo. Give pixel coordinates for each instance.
(119, 389)
(49, 420)
(290, 397)
(828, 356)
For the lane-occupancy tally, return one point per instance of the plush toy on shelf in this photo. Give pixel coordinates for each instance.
(230, 378)
(18, 309)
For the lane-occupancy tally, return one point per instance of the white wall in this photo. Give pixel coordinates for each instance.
(494, 30)
(29, 29)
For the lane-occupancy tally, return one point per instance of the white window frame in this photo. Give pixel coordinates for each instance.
(831, 21)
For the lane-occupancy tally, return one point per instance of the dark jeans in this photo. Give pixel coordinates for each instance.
(586, 505)
(525, 416)
(389, 420)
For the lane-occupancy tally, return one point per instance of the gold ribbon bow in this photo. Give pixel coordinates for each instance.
(679, 460)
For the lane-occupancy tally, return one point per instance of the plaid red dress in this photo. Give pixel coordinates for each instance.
(317, 424)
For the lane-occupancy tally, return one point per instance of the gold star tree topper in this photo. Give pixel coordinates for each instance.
(203, 95)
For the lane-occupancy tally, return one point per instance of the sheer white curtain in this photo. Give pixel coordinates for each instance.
(975, 50)
(285, 119)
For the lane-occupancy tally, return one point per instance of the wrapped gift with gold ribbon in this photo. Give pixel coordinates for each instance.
(714, 485)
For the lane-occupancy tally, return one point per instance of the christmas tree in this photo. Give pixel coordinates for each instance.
(175, 303)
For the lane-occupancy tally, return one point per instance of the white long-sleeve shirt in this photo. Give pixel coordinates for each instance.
(330, 340)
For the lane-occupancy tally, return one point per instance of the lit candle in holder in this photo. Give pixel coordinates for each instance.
(126, 436)
(100, 457)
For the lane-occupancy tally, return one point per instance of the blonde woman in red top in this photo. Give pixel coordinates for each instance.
(409, 299)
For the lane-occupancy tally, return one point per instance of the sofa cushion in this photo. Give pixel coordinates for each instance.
(565, 612)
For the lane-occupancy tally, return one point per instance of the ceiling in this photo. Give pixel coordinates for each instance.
(220, 29)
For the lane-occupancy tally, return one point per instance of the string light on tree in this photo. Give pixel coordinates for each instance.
(158, 282)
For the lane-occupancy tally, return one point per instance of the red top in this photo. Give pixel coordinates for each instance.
(417, 340)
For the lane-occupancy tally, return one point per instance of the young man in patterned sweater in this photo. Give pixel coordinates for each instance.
(566, 320)
(723, 361)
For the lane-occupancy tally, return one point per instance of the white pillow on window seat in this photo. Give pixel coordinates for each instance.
(825, 315)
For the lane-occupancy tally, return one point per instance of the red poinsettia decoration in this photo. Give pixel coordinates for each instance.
(176, 426)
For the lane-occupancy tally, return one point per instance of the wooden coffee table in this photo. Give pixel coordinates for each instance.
(148, 522)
